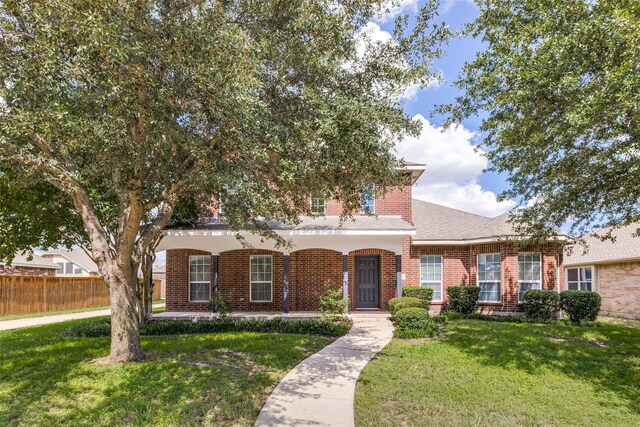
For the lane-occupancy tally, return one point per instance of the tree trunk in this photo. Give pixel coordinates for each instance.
(125, 329)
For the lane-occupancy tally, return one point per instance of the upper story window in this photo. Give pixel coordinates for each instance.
(431, 274)
(60, 269)
(318, 205)
(368, 201)
(489, 277)
(529, 272)
(68, 268)
(199, 278)
(580, 278)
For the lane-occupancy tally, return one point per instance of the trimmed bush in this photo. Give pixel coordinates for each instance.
(540, 304)
(580, 305)
(414, 322)
(463, 299)
(332, 302)
(102, 328)
(425, 294)
(399, 303)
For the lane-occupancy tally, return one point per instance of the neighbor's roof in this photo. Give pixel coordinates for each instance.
(77, 256)
(625, 248)
(314, 225)
(437, 224)
(36, 261)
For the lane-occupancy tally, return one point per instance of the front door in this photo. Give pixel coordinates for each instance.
(367, 281)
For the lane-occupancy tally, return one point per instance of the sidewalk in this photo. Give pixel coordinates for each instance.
(320, 390)
(46, 320)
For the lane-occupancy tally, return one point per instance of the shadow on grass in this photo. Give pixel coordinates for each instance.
(47, 378)
(606, 356)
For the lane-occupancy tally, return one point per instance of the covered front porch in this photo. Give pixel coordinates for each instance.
(363, 259)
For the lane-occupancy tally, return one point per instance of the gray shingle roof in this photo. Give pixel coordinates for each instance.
(36, 261)
(437, 222)
(381, 223)
(625, 247)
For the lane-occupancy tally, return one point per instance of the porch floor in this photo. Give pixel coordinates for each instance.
(208, 316)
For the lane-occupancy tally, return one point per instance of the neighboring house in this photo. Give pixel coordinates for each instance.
(408, 243)
(160, 273)
(72, 263)
(610, 268)
(23, 266)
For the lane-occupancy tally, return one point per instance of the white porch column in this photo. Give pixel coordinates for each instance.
(345, 275)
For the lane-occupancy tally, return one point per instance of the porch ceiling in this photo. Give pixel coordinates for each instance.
(222, 243)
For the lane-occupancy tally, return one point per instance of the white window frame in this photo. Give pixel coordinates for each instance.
(426, 282)
(324, 205)
(499, 300)
(593, 276)
(529, 281)
(251, 282)
(372, 199)
(190, 281)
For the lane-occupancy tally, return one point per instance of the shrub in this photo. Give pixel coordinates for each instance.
(580, 305)
(224, 305)
(414, 322)
(540, 304)
(332, 302)
(101, 328)
(425, 294)
(399, 303)
(463, 299)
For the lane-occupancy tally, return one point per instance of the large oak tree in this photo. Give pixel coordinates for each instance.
(113, 111)
(559, 85)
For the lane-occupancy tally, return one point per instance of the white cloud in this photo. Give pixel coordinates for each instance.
(393, 8)
(453, 168)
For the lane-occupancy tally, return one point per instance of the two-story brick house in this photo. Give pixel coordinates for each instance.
(407, 243)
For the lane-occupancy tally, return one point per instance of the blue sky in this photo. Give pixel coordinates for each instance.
(454, 175)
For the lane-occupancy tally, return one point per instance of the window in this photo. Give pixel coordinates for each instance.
(199, 278)
(77, 271)
(431, 274)
(261, 274)
(368, 201)
(489, 277)
(318, 205)
(60, 269)
(68, 268)
(528, 272)
(580, 278)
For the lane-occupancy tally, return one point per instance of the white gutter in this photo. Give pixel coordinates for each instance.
(20, 264)
(478, 241)
(604, 261)
(333, 232)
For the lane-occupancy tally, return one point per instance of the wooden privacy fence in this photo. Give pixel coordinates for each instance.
(34, 294)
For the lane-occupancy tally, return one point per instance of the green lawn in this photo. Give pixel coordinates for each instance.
(47, 378)
(482, 373)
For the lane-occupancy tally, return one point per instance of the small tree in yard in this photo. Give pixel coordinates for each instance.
(332, 302)
(112, 112)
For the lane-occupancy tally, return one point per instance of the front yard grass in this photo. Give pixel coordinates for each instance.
(480, 373)
(48, 378)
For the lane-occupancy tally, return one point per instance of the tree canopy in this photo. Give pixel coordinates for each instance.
(112, 111)
(559, 82)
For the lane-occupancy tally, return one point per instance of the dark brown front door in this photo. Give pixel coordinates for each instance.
(367, 282)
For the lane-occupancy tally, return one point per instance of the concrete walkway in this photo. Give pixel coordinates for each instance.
(46, 320)
(320, 390)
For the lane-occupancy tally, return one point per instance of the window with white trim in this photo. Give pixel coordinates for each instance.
(261, 278)
(318, 205)
(368, 200)
(431, 274)
(489, 277)
(199, 278)
(580, 278)
(529, 272)
(60, 269)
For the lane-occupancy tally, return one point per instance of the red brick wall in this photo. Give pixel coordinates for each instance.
(460, 267)
(309, 269)
(396, 202)
(26, 271)
(177, 292)
(234, 280)
(388, 280)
